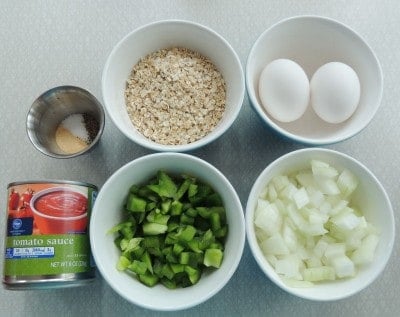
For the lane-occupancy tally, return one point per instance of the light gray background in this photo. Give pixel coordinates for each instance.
(49, 43)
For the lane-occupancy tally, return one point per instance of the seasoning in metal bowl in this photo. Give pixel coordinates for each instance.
(175, 96)
(76, 132)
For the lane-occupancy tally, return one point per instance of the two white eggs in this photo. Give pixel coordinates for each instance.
(285, 91)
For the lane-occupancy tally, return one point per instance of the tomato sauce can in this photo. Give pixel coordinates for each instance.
(47, 239)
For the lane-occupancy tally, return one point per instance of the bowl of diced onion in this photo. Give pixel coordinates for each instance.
(319, 224)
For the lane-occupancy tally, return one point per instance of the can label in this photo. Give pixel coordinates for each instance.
(47, 229)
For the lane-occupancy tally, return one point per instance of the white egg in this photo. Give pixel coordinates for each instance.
(335, 92)
(284, 90)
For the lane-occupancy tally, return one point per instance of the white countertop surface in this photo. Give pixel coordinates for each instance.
(50, 43)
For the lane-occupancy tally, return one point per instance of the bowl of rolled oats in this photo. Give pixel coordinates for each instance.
(173, 85)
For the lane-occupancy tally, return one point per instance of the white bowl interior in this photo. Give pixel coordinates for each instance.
(107, 213)
(166, 34)
(370, 196)
(311, 42)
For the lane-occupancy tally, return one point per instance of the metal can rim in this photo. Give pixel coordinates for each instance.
(52, 181)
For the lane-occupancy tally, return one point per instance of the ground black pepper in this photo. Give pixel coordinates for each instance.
(92, 126)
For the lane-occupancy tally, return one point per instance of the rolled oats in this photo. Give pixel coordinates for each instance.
(175, 96)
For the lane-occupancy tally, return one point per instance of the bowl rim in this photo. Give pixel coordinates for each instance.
(211, 136)
(275, 127)
(239, 247)
(253, 244)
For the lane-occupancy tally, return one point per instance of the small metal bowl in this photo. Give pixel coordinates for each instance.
(51, 108)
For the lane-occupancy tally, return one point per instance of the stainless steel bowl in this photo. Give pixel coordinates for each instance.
(51, 108)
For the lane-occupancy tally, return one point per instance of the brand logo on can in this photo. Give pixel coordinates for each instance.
(17, 224)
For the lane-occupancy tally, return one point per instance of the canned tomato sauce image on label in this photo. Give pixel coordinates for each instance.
(47, 238)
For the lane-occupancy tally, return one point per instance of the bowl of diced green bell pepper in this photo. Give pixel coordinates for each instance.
(167, 231)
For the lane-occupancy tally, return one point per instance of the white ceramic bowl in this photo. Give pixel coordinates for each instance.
(371, 198)
(107, 213)
(311, 42)
(166, 34)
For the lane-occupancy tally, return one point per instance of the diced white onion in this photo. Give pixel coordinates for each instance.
(314, 216)
(306, 179)
(313, 261)
(296, 283)
(346, 221)
(313, 229)
(365, 253)
(316, 197)
(280, 182)
(289, 236)
(317, 274)
(275, 245)
(334, 250)
(289, 268)
(322, 169)
(268, 217)
(343, 266)
(347, 182)
(260, 234)
(320, 248)
(272, 194)
(308, 229)
(338, 206)
(327, 186)
(288, 192)
(272, 259)
(301, 198)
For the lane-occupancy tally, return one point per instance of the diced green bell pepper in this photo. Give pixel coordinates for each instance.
(152, 228)
(123, 263)
(136, 204)
(148, 279)
(138, 267)
(213, 257)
